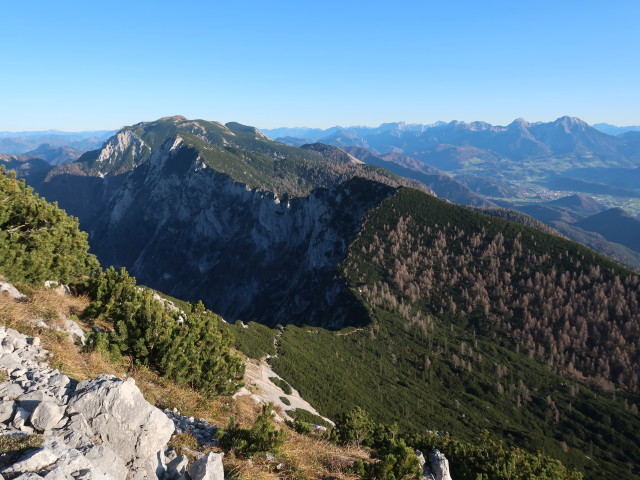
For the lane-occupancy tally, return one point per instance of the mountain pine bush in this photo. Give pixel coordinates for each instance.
(188, 347)
(38, 240)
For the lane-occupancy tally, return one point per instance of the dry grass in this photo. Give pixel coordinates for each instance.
(12, 447)
(301, 457)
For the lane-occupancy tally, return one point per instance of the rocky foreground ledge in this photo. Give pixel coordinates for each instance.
(95, 429)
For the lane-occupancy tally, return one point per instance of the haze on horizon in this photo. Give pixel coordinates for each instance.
(289, 64)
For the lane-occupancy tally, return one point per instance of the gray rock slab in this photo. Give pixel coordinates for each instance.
(106, 462)
(208, 467)
(10, 390)
(119, 415)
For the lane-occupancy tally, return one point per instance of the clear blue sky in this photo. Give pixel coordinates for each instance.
(103, 64)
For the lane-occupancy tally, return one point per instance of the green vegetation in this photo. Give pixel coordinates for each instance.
(254, 340)
(487, 362)
(486, 459)
(186, 346)
(480, 459)
(286, 388)
(261, 437)
(302, 415)
(38, 241)
(285, 400)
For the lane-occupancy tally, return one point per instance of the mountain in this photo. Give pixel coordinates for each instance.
(494, 187)
(375, 290)
(300, 211)
(615, 225)
(331, 153)
(22, 142)
(568, 215)
(443, 185)
(614, 130)
(577, 203)
(55, 155)
(32, 169)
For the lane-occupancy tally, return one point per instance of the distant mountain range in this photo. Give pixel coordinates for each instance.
(23, 142)
(614, 130)
(522, 165)
(516, 141)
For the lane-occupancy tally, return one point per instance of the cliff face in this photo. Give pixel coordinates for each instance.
(192, 232)
(204, 211)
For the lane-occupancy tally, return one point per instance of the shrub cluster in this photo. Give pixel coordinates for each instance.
(261, 437)
(38, 241)
(186, 346)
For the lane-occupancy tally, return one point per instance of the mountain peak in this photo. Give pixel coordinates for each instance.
(519, 123)
(568, 122)
(174, 118)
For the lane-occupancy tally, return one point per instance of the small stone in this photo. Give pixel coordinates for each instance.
(20, 418)
(177, 467)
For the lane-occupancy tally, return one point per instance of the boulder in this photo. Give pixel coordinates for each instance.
(12, 291)
(75, 332)
(7, 408)
(121, 418)
(33, 461)
(46, 416)
(177, 467)
(77, 432)
(29, 401)
(208, 467)
(10, 390)
(20, 418)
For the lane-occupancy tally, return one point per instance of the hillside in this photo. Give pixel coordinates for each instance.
(478, 323)
(616, 226)
(443, 185)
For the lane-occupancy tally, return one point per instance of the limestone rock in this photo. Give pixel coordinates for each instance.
(439, 465)
(121, 418)
(33, 461)
(46, 416)
(10, 390)
(76, 334)
(6, 410)
(177, 467)
(12, 291)
(208, 467)
(106, 462)
(29, 401)
(20, 418)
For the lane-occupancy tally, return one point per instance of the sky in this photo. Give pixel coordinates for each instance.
(93, 65)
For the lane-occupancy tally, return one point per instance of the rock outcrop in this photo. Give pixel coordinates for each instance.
(437, 468)
(100, 428)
